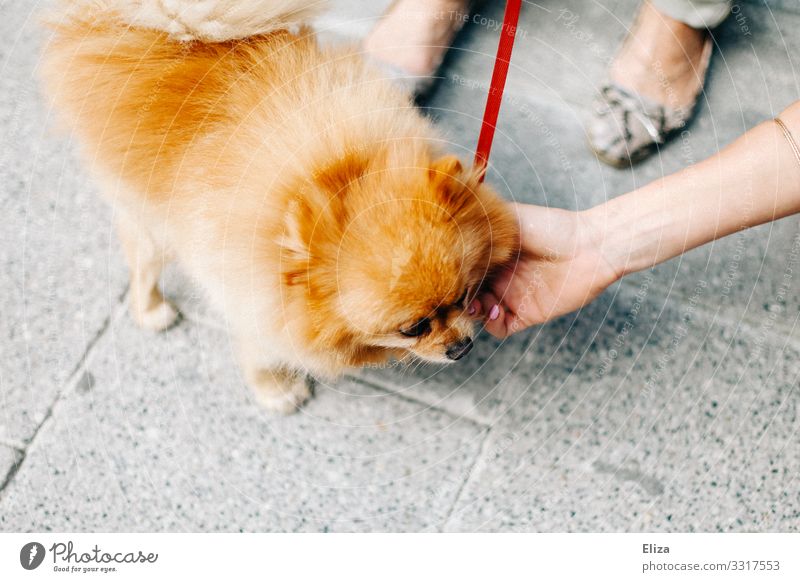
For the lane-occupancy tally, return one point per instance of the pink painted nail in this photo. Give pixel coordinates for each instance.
(473, 308)
(494, 313)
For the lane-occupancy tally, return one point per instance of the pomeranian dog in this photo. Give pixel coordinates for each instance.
(303, 192)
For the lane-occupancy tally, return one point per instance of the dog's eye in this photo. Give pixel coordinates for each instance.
(421, 327)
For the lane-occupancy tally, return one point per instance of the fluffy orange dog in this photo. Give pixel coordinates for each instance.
(305, 194)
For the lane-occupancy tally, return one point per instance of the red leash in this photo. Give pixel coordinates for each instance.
(498, 83)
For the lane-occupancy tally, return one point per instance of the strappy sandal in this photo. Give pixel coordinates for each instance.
(628, 127)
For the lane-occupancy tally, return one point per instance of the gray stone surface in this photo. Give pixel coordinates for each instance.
(641, 416)
(61, 272)
(9, 457)
(164, 436)
(778, 5)
(670, 404)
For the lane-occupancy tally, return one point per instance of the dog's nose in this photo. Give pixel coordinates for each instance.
(459, 349)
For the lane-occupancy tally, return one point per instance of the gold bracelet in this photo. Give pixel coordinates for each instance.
(788, 135)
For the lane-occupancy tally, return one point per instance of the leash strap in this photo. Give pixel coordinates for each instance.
(501, 63)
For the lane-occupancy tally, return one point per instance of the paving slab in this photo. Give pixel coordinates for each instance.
(60, 267)
(643, 416)
(162, 435)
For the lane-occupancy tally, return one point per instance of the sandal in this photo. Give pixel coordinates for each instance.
(628, 127)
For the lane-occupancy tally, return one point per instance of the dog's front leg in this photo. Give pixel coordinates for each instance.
(277, 388)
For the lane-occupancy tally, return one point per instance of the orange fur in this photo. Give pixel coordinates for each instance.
(307, 196)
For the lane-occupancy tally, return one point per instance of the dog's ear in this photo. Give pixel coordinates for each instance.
(445, 167)
(294, 243)
(320, 205)
(449, 180)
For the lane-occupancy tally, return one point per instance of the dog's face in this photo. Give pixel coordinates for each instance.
(397, 256)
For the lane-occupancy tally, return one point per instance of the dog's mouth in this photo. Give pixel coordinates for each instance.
(458, 349)
(447, 354)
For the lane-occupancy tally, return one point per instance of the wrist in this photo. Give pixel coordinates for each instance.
(601, 239)
(629, 236)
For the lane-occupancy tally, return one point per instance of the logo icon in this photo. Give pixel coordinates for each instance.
(31, 555)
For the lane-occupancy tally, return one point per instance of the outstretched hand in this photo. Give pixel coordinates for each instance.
(561, 269)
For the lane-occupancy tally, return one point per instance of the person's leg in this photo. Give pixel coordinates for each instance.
(695, 13)
(414, 35)
(655, 79)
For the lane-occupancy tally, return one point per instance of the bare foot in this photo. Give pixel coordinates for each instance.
(662, 59)
(414, 35)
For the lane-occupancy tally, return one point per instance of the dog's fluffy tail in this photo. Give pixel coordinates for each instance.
(204, 20)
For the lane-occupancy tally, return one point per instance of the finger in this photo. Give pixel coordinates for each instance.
(475, 309)
(489, 305)
(498, 327)
(494, 314)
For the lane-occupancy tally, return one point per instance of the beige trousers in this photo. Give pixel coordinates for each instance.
(696, 13)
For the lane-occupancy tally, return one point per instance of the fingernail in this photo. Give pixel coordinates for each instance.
(494, 313)
(473, 307)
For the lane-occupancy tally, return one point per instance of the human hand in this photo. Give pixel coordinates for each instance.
(561, 269)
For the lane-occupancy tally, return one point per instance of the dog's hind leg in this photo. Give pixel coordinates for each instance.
(145, 261)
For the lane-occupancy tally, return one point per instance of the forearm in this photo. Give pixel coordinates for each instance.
(754, 180)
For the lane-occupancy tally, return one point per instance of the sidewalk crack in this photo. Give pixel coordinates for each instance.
(470, 473)
(70, 385)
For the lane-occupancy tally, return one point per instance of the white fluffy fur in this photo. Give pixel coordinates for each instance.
(208, 20)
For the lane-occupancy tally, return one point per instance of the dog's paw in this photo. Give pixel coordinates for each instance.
(157, 318)
(282, 394)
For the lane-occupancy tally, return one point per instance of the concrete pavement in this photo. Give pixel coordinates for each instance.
(670, 404)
